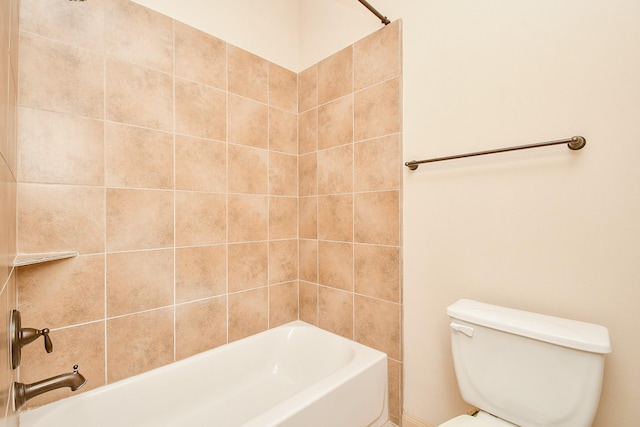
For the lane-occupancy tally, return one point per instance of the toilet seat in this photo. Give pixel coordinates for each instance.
(466, 421)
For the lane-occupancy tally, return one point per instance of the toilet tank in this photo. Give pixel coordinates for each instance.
(530, 369)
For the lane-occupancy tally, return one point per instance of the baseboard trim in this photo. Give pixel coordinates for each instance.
(409, 420)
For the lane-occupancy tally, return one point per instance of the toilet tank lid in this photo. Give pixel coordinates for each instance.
(565, 332)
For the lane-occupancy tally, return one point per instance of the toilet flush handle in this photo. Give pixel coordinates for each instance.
(467, 330)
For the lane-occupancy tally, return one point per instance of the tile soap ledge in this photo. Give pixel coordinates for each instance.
(29, 259)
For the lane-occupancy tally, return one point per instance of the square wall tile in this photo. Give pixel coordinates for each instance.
(61, 293)
(377, 217)
(248, 266)
(248, 74)
(72, 83)
(335, 217)
(377, 271)
(335, 170)
(248, 170)
(283, 88)
(193, 335)
(138, 158)
(335, 311)
(57, 148)
(248, 218)
(129, 352)
(60, 218)
(201, 272)
(308, 174)
(308, 217)
(377, 324)
(201, 165)
(201, 111)
(377, 110)
(200, 57)
(81, 27)
(139, 35)
(139, 219)
(283, 131)
(201, 218)
(377, 164)
(283, 261)
(308, 302)
(308, 131)
(248, 313)
(308, 89)
(248, 122)
(335, 265)
(139, 96)
(283, 174)
(335, 123)
(138, 281)
(283, 217)
(335, 75)
(377, 58)
(283, 303)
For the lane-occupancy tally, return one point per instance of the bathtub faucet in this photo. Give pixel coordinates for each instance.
(23, 392)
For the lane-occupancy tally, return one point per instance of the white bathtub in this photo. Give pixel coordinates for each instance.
(295, 375)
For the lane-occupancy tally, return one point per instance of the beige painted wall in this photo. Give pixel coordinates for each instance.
(545, 230)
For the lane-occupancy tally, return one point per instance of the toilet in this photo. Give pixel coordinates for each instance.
(525, 369)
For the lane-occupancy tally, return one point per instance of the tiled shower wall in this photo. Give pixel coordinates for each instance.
(8, 174)
(190, 174)
(349, 141)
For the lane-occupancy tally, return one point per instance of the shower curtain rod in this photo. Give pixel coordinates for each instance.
(373, 10)
(574, 143)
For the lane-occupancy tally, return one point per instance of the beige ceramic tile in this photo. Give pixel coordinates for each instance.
(335, 123)
(335, 75)
(139, 35)
(283, 131)
(308, 217)
(308, 259)
(61, 218)
(283, 174)
(248, 218)
(335, 170)
(377, 58)
(201, 272)
(335, 311)
(139, 219)
(308, 89)
(283, 303)
(201, 165)
(248, 74)
(59, 148)
(130, 352)
(377, 110)
(248, 122)
(138, 281)
(335, 265)
(200, 57)
(139, 96)
(62, 293)
(283, 261)
(308, 302)
(248, 266)
(8, 221)
(335, 217)
(307, 174)
(377, 218)
(283, 212)
(80, 25)
(377, 164)
(394, 373)
(283, 88)
(248, 170)
(73, 81)
(377, 324)
(200, 218)
(82, 345)
(201, 111)
(193, 335)
(248, 313)
(377, 271)
(138, 158)
(308, 131)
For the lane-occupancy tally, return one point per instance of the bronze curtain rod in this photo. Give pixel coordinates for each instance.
(574, 143)
(373, 10)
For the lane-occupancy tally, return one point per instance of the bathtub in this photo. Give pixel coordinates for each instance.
(295, 375)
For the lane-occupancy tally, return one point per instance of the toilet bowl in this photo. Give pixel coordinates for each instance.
(524, 369)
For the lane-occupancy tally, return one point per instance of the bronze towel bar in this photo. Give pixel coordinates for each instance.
(574, 143)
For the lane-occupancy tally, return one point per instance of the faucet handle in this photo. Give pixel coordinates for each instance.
(48, 345)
